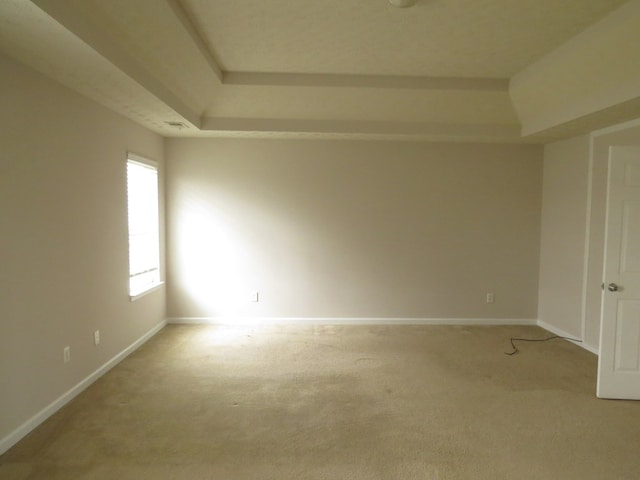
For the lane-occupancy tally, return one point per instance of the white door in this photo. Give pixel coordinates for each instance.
(619, 360)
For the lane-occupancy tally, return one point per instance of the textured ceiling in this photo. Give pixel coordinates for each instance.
(303, 68)
(466, 38)
(30, 35)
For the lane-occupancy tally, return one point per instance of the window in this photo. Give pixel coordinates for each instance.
(144, 236)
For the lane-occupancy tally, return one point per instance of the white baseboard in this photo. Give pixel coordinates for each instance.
(229, 321)
(562, 333)
(14, 437)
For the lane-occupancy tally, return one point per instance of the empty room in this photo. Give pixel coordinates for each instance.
(337, 239)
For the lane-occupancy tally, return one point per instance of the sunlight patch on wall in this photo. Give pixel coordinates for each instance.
(214, 261)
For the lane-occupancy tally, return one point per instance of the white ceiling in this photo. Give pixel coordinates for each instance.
(329, 68)
(450, 38)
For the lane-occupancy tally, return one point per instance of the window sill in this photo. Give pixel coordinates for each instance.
(136, 295)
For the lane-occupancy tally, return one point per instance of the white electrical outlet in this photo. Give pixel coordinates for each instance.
(255, 296)
(96, 337)
(66, 354)
(491, 297)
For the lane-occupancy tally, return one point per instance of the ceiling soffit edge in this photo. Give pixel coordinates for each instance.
(365, 81)
(190, 27)
(101, 42)
(614, 115)
(359, 127)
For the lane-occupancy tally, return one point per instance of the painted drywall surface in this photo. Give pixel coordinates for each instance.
(63, 255)
(627, 134)
(352, 229)
(563, 230)
(596, 70)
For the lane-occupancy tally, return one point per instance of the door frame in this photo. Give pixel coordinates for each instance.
(600, 142)
(613, 382)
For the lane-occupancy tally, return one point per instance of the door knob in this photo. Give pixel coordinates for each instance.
(612, 287)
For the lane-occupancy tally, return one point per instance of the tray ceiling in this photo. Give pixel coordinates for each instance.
(331, 68)
(435, 38)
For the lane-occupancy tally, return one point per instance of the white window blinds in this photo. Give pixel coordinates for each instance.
(144, 236)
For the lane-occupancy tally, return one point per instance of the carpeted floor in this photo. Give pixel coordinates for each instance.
(343, 402)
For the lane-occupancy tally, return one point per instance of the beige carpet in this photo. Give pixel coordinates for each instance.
(305, 402)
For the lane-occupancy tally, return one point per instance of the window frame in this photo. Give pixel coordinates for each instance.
(135, 294)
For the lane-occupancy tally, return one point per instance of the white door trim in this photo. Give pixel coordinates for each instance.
(618, 369)
(593, 136)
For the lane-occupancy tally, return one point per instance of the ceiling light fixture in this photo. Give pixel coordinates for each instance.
(402, 3)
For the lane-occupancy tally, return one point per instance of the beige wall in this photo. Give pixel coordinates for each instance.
(63, 255)
(573, 218)
(562, 248)
(352, 229)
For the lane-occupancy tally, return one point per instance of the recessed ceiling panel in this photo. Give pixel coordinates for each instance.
(466, 38)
